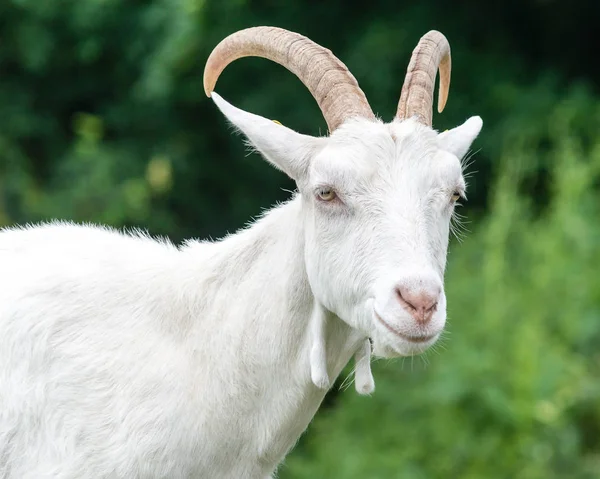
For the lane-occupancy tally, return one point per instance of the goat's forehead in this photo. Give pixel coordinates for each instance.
(364, 150)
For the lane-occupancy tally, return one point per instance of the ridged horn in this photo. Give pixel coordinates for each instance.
(431, 53)
(330, 82)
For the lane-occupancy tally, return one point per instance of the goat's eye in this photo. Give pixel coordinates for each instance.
(326, 194)
(456, 196)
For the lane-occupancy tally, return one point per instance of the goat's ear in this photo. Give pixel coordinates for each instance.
(458, 140)
(282, 147)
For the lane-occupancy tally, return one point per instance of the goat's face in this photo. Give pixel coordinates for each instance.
(377, 203)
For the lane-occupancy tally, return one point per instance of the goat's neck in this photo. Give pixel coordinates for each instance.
(254, 320)
(260, 294)
(253, 327)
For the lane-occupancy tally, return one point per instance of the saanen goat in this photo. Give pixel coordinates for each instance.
(125, 356)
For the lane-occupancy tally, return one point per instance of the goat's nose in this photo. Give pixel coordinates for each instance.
(421, 304)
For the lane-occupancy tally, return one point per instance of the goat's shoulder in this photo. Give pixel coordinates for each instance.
(59, 236)
(88, 274)
(62, 253)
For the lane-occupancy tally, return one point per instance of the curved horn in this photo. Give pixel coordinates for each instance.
(328, 79)
(432, 52)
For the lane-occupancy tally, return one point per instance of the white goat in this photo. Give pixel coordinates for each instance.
(123, 356)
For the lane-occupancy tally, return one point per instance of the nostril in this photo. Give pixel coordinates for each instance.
(432, 306)
(404, 301)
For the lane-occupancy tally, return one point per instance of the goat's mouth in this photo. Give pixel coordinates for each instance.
(410, 338)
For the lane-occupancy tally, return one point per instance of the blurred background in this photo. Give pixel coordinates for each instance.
(103, 119)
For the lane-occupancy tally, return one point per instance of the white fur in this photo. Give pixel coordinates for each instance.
(318, 354)
(363, 377)
(125, 356)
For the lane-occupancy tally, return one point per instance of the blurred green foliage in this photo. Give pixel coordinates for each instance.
(103, 119)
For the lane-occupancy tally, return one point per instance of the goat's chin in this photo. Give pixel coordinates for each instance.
(386, 350)
(389, 345)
